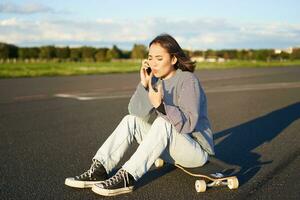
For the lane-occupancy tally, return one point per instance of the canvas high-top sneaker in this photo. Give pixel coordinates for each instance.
(95, 174)
(122, 182)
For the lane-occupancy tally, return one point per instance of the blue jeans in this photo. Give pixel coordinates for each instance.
(159, 139)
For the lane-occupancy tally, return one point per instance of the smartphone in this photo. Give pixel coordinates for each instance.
(148, 70)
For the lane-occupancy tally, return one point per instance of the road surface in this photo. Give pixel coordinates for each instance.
(50, 128)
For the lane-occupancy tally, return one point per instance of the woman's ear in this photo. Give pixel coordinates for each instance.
(174, 60)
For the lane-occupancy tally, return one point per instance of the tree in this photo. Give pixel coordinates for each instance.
(231, 53)
(101, 55)
(139, 51)
(28, 53)
(63, 52)
(4, 51)
(198, 53)
(220, 54)
(295, 54)
(244, 54)
(75, 54)
(33, 52)
(23, 53)
(126, 54)
(275, 56)
(88, 53)
(187, 52)
(8, 51)
(114, 53)
(263, 54)
(210, 53)
(223, 54)
(47, 52)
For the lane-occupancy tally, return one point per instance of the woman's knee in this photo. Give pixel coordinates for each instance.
(163, 127)
(134, 121)
(130, 117)
(161, 121)
(163, 124)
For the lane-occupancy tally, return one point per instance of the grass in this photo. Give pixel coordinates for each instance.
(22, 69)
(9, 70)
(247, 64)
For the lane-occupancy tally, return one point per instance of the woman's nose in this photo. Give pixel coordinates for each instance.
(153, 64)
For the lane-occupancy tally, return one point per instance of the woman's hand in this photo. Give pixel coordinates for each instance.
(155, 96)
(143, 74)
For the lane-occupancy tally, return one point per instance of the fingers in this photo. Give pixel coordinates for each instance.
(159, 88)
(144, 67)
(145, 63)
(150, 81)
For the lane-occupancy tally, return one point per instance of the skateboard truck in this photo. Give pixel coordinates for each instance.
(213, 180)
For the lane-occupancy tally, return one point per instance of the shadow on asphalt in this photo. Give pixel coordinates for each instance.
(154, 174)
(241, 141)
(237, 149)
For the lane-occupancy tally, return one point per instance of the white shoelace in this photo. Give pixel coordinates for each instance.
(116, 178)
(89, 172)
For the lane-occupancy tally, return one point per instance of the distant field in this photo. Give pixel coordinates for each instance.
(65, 68)
(22, 69)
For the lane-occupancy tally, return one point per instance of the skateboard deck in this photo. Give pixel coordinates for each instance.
(213, 174)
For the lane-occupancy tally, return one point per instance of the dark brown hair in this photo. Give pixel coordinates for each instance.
(171, 45)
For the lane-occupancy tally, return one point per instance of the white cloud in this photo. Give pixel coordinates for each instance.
(195, 34)
(8, 22)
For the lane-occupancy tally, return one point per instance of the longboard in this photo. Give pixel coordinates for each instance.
(212, 180)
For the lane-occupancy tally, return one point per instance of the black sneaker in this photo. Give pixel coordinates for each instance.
(94, 175)
(122, 182)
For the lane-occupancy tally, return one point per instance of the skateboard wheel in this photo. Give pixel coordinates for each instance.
(200, 186)
(233, 183)
(159, 162)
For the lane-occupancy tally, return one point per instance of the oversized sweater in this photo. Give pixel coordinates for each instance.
(185, 106)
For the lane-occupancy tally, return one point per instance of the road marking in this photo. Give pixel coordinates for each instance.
(230, 88)
(87, 98)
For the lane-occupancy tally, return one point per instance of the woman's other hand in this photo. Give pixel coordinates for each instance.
(155, 96)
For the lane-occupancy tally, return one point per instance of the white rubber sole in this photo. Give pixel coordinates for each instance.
(80, 184)
(106, 192)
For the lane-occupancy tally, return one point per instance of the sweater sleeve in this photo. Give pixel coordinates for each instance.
(184, 117)
(139, 104)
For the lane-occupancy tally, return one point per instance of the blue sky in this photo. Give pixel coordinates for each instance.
(196, 24)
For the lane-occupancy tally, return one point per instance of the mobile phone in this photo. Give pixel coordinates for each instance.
(148, 70)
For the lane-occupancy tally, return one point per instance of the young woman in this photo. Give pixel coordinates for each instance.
(179, 134)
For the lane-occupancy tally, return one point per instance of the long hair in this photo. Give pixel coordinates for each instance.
(171, 45)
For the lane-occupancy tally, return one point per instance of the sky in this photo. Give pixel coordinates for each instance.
(195, 24)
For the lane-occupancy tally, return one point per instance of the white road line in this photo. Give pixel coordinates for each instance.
(87, 98)
(230, 88)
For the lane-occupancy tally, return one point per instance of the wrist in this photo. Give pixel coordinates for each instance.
(158, 104)
(161, 108)
(144, 85)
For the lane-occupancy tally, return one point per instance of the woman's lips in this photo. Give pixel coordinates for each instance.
(154, 71)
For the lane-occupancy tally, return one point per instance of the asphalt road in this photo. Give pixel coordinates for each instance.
(51, 127)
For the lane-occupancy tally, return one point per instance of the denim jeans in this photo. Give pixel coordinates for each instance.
(159, 139)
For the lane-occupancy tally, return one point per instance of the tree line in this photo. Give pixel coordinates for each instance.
(85, 53)
(92, 54)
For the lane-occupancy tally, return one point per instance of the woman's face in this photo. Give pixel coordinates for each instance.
(160, 61)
